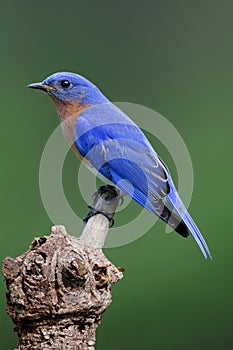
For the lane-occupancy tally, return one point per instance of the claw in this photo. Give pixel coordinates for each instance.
(103, 199)
(94, 212)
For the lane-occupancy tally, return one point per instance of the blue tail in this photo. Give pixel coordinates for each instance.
(193, 229)
(175, 202)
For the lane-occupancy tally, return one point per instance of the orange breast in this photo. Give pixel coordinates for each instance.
(68, 114)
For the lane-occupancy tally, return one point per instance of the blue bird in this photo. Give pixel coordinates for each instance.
(106, 139)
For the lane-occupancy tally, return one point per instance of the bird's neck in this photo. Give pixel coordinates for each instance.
(68, 114)
(69, 110)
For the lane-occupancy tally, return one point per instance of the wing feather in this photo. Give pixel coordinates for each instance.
(120, 151)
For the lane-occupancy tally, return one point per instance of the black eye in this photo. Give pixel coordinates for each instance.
(65, 84)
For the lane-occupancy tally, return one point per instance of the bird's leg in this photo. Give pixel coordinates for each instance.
(111, 193)
(121, 197)
(104, 202)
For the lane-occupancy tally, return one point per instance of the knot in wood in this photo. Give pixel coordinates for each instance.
(58, 290)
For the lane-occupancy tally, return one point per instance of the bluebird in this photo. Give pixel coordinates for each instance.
(107, 140)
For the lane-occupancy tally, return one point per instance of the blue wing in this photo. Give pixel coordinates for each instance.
(119, 150)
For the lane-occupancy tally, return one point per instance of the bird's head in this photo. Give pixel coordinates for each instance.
(70, 88)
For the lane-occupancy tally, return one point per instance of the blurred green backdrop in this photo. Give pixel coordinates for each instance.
(175, 57)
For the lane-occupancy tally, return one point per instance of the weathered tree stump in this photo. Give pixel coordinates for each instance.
(59, 289)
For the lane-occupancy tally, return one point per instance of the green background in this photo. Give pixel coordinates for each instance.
(175, 57)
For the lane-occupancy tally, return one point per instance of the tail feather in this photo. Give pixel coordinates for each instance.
(187, 219)
(175, 202)
(174, 221)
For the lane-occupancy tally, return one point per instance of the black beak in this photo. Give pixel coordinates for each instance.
(41, 86)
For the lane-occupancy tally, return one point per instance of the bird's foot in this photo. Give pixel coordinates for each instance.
(105, 202)
(94, 212)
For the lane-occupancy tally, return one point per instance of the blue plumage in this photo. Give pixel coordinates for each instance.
(176, 203)
(118, 149)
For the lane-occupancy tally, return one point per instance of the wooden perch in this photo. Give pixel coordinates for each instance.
(59, 289)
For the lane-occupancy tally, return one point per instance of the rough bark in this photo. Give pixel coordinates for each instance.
(59, 289)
